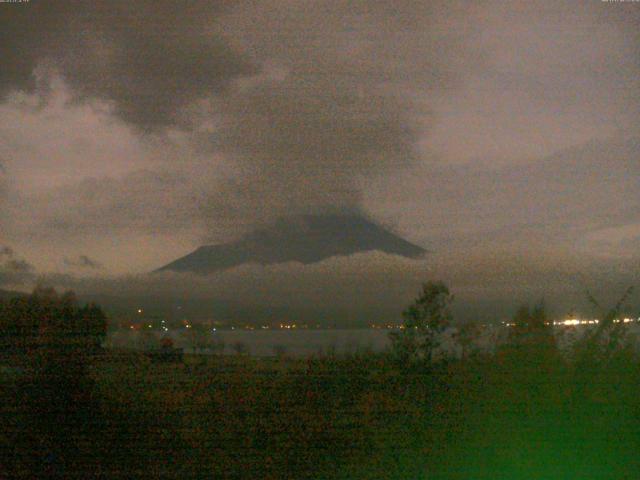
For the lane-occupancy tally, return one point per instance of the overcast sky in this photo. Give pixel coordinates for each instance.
(502, 136)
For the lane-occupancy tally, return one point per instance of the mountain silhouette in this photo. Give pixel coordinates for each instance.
(303, 238)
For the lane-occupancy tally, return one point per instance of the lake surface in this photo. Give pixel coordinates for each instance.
(268, 342)
(302, 342)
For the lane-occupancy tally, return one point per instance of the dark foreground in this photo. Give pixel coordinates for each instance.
(508, 415)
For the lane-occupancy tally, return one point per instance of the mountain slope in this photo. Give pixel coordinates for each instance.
(305, 238)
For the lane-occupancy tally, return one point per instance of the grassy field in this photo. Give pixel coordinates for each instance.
(355, 416)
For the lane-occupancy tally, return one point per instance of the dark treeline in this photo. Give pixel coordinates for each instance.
(45, 321)
(524, 410)
(50, 341)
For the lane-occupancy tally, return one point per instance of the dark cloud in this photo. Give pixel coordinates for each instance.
(147, 59)
(13, 269)
(10, 262)
(83, 262)
(18, 266)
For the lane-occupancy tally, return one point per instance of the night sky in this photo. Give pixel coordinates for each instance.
(502, 137)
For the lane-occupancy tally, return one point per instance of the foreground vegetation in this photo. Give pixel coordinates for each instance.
(525, 411)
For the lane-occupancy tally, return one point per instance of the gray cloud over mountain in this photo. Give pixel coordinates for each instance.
(140, 130)
(301, 122)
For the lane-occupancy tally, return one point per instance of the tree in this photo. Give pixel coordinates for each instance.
(468, 332)
(218, 346)
(610, 332)
(92, 323)
(279, 350)
(598, 346)
(598, 349)
(199, 337)
(531, 339)
(51, 327)
(56, 338)
(531, 326)
(423, 323)
(240, 347)
(18, 325)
